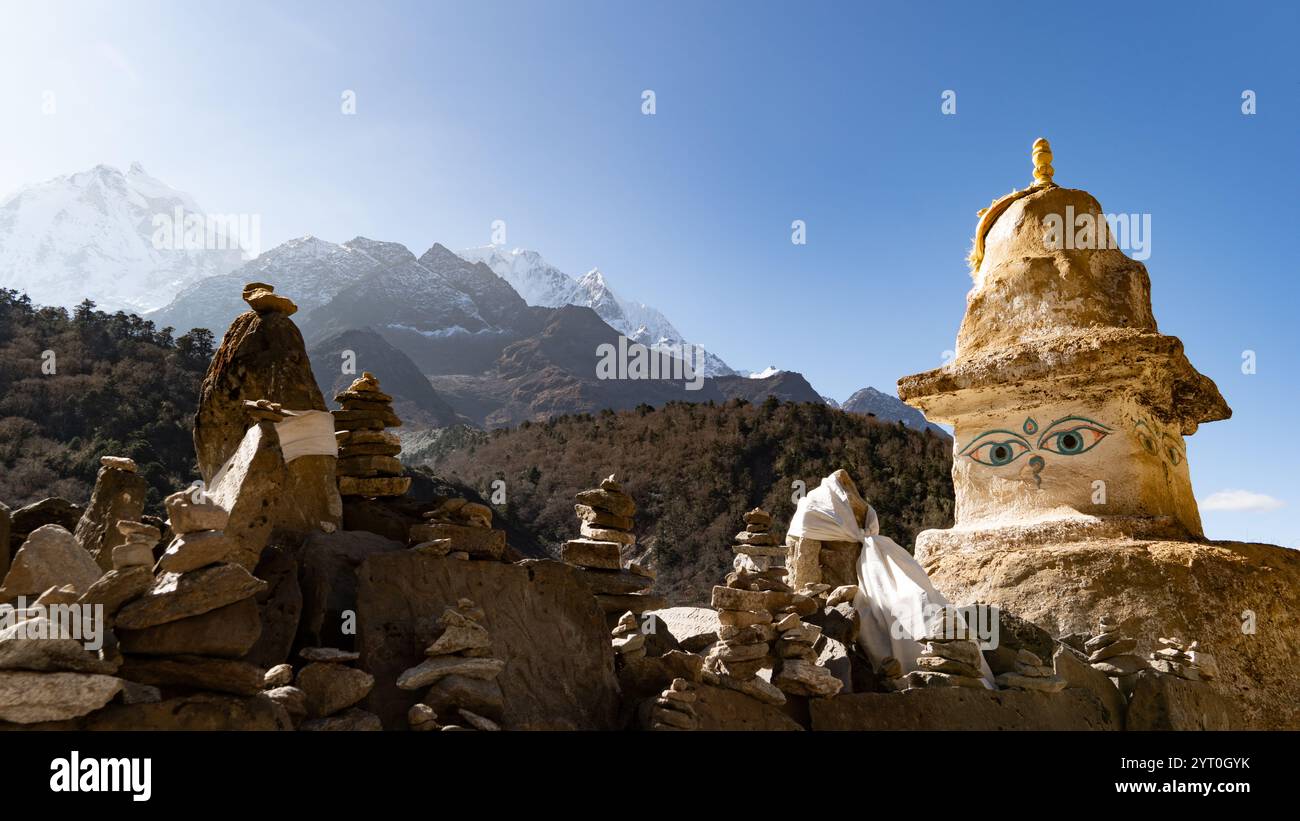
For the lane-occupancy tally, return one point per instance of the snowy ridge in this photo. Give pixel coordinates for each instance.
(541, 283)
(91, 235)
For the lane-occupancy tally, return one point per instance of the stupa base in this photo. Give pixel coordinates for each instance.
(1241, 601)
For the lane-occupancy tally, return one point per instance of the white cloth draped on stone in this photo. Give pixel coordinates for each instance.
(893, 588)
(307, 433)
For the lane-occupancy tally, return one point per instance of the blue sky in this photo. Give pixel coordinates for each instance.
(766, 113)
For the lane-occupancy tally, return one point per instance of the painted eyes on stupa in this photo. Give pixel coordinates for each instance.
(1069, 436)
(995, 453)
(1074, 440)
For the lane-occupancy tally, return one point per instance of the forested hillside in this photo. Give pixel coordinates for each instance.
(694, 469)
(74, 387)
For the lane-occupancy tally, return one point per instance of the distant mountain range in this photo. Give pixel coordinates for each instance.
(486, 336)
(93, 235)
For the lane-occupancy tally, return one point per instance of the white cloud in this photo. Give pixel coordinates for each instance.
(1240, 500)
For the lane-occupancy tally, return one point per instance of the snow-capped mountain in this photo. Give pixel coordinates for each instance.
(108, 236)
(888, 408)
(541, 283)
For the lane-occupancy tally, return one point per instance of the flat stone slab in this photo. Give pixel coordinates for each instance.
(544, 622)
(29, 698)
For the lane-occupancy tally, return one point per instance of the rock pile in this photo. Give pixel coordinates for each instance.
(368, 464)
(461, 529)
(1112, 652)
(757, 541)
(605, 516)
(1184, 660)
(674, 708)
(797, 671)
(262, 298)
(327, 690)
(119, 494)
(1031, 674)
(461, 675)
(629, 641)
(746, 630)
(945, 662)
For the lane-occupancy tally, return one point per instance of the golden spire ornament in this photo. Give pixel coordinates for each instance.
(1043, 171)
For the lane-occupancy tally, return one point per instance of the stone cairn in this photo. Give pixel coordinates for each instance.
(629, 641)
(262, 298)
(1113, 653)
(460, 529)
(1187, 661)
(324, 693)
(368, 464)
(605, 521)
(945, 660)
(757, 541)
(797, 671)
(461, 675)
(674, 708)
(1031, 674)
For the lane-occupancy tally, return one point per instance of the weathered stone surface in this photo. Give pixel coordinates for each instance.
(199, 672)
(118, 495)
(51, 511)
(279, 607)
(730, 598)
(175, 596)
(544, 623)
(50, 557)
(620, 504)
(28, 698)
(374, 485)
(591, 553)
(1145, 586)
(292, 699)
(694, 628)
(960, 708)
(476, 541)
(615, 582)
(332, 687)
(262, 356)
(1162, 702)
(1079, 674)
(354, 720)
(483, 696)
(227, 632)
(721, 708)
(600, 518)
(251, 489)
(185, 514)
(634, 602)
(281, 675)
(117, 587)
(194, 550)
(328, 564)
(332, 655)
(38, 644)
(433, 669)
(194, 712)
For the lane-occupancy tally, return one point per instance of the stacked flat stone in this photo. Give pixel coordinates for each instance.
(198, 525)
(757, 541)
(629, 640)
(325, 692)
(460, 529)
(461, 675)
(1031, 674)
(945, 662)
(674, 708)
(605, 521)
(262, 298)
(1113, 653)
(797, 671)
(368, 464)
(1186, 661)
(137, 550)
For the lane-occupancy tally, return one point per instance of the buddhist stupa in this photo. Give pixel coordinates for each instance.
(1074, 501)
(1069, 406)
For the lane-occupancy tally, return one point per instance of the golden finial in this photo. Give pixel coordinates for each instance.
(1043, 163)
